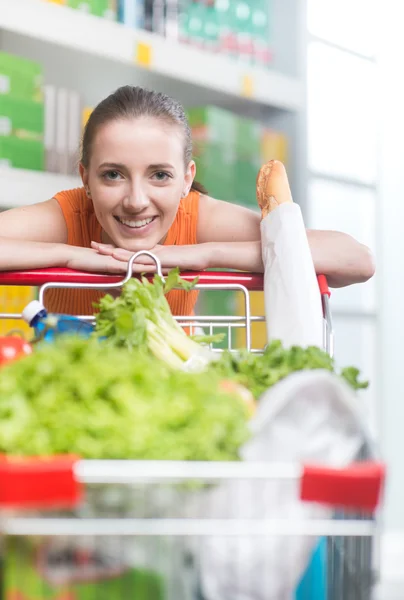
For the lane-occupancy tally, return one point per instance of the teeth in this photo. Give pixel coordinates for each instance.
(135, 224)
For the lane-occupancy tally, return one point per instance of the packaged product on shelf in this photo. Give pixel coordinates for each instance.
(21, 153)
(85, 115)
(107, 9)
(132, 13)
(20, 77)
(157, 9)
(243, 30)
(229, 150)
(51, 164)
(73, 131)
(274, 145)
(216, 171)
(63, 128)
(227, 31)
(21, 133)
(261, 17)
(13, 299)
(61, 148)
(193, 23)
(21, 117)
(211, 27)
(172, 18)
(83, 5)
(213, 124)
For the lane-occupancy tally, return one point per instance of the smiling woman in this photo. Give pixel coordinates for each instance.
(139, 193)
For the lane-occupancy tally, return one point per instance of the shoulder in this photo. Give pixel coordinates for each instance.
(78, 212)
(190, 204)
(74, 200)
(224, 221)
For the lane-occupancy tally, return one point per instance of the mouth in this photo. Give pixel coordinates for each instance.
(135, 224)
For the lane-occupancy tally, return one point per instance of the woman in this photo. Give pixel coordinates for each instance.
(139, 193)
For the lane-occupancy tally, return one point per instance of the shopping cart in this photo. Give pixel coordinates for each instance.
(75, 529)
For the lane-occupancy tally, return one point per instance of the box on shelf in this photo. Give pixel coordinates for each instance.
(229, 150)
(261, 27)
(213, 125)
(108, 9)
(274, 145)
(20, 77)
(155, 16)
(132, 13)
(247, 138)
(22, 153)
(22, 118)
(14, 299)
(100, 8)
(239, 29)
(83, 5)
(63, 128)
(21, 133)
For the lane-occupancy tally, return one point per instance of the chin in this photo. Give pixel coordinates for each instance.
(138, 245)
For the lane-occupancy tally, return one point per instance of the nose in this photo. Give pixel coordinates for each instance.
(136, 199)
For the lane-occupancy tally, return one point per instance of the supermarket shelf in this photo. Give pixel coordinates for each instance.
(98, 37)
(21, 187)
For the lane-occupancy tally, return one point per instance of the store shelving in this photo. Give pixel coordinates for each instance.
(75, 31)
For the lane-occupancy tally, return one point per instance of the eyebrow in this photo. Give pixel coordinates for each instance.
(161, 166)
(121, 166)
(111, 165)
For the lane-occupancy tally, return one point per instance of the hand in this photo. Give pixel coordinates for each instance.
(89, 259)
(187, 258)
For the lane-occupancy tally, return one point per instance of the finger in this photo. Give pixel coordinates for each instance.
(118, 267)
(125, 255)
(121, 254)
(105, 250)
(139, 269)
(102, 245)
(98, 245)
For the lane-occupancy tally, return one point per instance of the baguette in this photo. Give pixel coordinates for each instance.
(272, 187)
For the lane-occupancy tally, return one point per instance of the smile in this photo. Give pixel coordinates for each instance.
(134, 224)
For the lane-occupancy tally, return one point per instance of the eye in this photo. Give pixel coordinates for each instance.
(162, 176)
(111, 175)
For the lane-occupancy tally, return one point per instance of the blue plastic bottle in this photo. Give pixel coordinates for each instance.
(48, 326)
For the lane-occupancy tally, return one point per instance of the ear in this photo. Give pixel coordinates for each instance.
(84, 178)
(83, 174)
(189, 177)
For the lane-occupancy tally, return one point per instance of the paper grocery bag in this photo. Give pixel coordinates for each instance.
(293, 306)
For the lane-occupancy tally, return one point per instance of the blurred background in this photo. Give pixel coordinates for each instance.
(314, 83)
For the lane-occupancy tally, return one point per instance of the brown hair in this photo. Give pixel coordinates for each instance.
(134, 102)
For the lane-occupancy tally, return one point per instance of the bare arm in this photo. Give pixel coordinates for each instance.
(35, 237)
(232, 235)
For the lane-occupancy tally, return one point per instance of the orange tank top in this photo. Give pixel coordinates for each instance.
(83, 228)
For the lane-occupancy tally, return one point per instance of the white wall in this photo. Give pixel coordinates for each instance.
(391, 259)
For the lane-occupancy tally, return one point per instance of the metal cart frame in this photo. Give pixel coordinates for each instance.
(351, 535)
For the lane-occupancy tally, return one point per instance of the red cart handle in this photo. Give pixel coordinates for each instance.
(37, 277)
(29, 482)
(358, 487)
(47, 482)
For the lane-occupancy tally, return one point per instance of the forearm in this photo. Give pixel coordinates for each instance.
(344, 260)
(338, 256)
(242, 256)
(18, 255)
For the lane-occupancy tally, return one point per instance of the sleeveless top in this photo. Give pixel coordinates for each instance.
(83, 228)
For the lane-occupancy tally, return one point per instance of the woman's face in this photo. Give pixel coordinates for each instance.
(136, 178)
